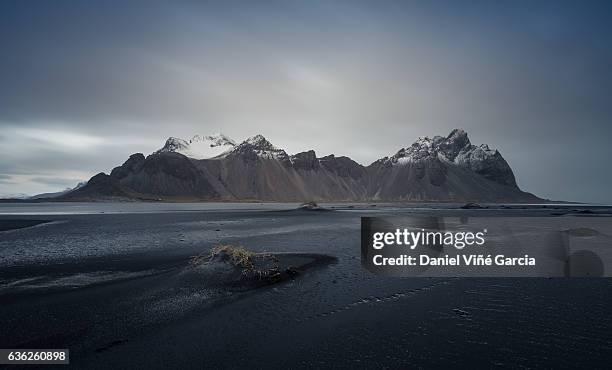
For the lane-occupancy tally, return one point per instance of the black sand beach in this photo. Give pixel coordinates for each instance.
(120, 290)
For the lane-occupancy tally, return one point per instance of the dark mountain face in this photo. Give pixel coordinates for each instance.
(133, 164)
(305, 161)
(158, 176)
(437, 169)
(343, 167)
(101, 186)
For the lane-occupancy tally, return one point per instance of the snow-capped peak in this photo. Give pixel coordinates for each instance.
(174, 144)
(261, 147)
(447, 148)
(260, 142)
(200, 147)
(216, 139)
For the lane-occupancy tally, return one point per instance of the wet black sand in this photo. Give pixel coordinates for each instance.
(118, 291)
(8, 224)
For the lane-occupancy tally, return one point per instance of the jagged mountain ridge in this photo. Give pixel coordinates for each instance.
(431, 169)
(456, 148)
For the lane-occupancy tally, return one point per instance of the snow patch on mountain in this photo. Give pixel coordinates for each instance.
(200, 147)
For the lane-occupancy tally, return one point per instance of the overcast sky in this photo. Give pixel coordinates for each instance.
(85, 84)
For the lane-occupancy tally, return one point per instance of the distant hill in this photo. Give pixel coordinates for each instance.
(57, 193)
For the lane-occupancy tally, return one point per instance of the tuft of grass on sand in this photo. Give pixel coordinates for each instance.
(253, 266)
(238, 256)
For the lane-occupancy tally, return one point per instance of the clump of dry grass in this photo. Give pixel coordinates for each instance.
(249, 262)
(238, 256)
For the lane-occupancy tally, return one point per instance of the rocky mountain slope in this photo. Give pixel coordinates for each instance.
(431, 169)
(444, 168)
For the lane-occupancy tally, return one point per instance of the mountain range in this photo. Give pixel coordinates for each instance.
(217, 168)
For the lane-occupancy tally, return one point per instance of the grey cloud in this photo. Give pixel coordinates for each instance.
(346, 77)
